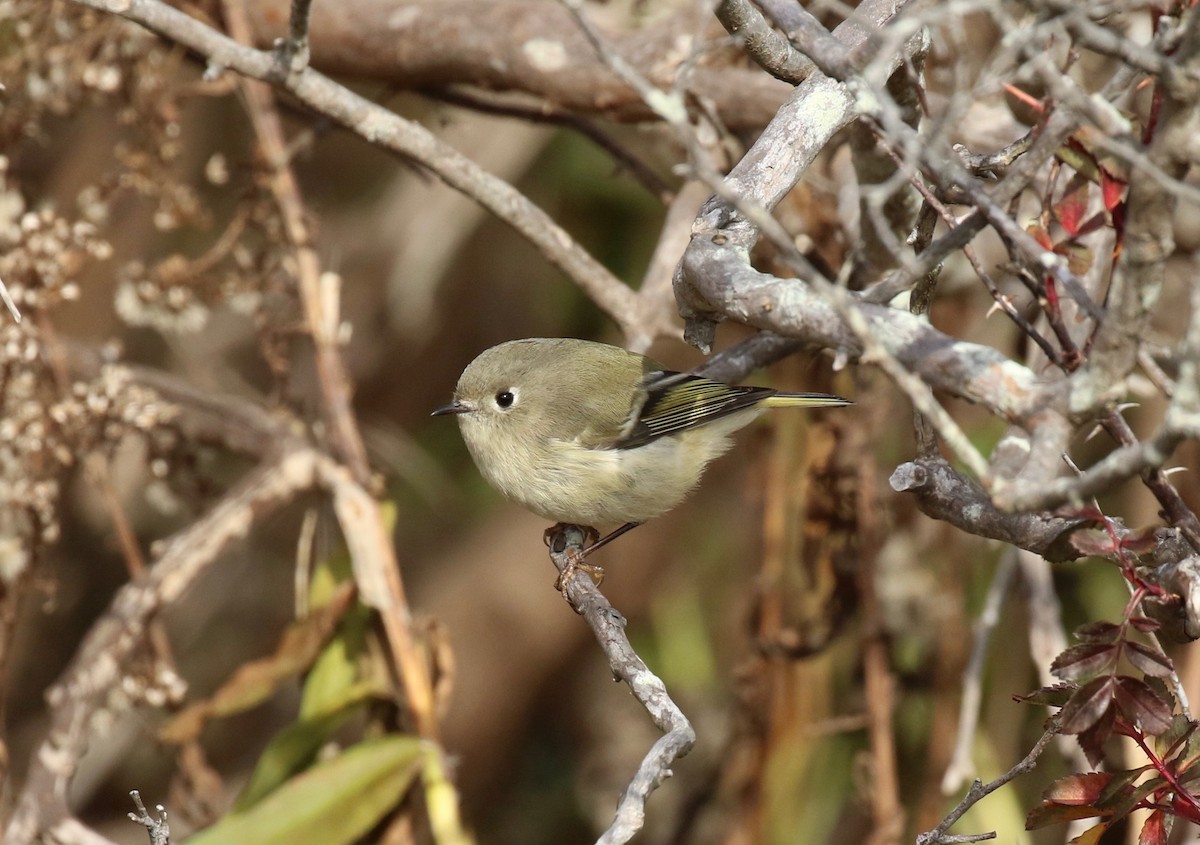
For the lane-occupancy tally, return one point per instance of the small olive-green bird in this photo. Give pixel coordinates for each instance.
(590, 434)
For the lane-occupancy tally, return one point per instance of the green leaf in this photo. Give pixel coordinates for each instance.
(296, 745)
(257, 680)
(1181, 728)
(333, 803)
(340, 667)
(1044, 815)
(1134, 796)
(1120, 785)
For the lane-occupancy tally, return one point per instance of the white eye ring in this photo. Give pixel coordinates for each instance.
(505, 399)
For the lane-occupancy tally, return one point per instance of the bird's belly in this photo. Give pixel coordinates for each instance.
(613, 486)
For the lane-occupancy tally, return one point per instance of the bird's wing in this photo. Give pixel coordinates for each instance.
(672, 402)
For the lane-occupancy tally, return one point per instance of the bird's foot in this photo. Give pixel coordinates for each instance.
(576, 557)
(576, 564)
(590, 535)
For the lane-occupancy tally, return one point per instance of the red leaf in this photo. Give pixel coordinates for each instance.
(1093, 740)
(1093, 542)
(1077, 789)
(1093, 223)
(1144, 624)
(1039, 234)
(1148, 660)
(1137, 702)
(1098, 632)
(1084, 660)
(1073, 205)
(1055, 696)
(1154, 831)
(1112, 189)
(1141, 541)
(1051, 295)
(1087, 705)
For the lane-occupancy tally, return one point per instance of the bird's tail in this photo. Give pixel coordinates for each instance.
(805, 400)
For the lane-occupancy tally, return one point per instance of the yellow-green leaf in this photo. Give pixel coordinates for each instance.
(332, 803)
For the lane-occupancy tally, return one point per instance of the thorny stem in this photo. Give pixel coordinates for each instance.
(1182, 793)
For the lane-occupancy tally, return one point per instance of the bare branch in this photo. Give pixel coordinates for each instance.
(7, 299)
(522, 46)
(767, 47)
(978, 791)
(386, 129)
(159, 830)
(962, 762)
(944, 494)
(82, 693)
(717, 267)
(294, 50)
(609, 627)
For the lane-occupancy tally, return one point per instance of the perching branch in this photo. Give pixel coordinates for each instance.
(609, 627)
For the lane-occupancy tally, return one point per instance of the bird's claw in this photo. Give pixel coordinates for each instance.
(575, 556)
(575, 564)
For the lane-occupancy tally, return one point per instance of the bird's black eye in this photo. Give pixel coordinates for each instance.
(505, 399)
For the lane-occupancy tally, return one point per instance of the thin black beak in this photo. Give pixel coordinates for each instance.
(454, 407)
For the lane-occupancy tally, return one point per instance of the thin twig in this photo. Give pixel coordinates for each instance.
(555, 116)
(979, 791)
(159, 830)
(608, 625)
(375, 563)
(7, 299)
(962, 763)
(293, 50)
(407, 139)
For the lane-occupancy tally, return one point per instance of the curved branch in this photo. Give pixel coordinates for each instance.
(944, 494)
(518, 45)
(721, 279)
(609, 627)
